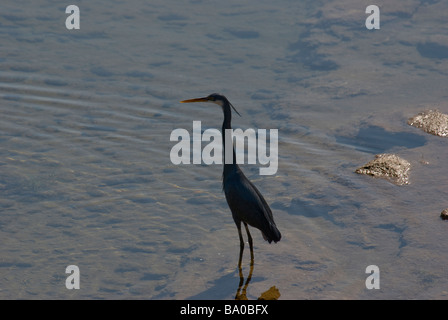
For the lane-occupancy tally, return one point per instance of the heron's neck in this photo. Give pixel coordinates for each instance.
(227, 125)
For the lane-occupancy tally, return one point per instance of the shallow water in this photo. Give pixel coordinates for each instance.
(85, 173)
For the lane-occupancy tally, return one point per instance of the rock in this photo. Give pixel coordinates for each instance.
(388, 166)
(432, 122)
(444, 214)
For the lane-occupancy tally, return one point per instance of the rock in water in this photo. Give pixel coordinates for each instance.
(387, 166)
(444, 214)
(432, 122)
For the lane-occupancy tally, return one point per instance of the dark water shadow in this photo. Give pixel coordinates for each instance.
(310, 209)
(221, 288)
(306, 52)
(375, 139)
(432, 50)
(224, 286)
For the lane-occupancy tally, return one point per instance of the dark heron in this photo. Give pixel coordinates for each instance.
(245, 201)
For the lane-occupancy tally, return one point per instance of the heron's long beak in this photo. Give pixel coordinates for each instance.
(195, 100)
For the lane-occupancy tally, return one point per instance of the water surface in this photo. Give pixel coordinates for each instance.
(85, 173)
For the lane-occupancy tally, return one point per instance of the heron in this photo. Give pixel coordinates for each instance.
(246, 203)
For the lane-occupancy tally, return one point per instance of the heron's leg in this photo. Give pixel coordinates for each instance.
(238, 225)
(251, 270)
(240, 269)
(249, 238)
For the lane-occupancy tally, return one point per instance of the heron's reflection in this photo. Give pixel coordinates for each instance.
(241, 291)
(271, 294)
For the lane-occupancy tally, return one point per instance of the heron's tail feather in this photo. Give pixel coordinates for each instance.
(273, 234)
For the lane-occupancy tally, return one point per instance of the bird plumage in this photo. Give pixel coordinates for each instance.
(245, 201)
(248, 205)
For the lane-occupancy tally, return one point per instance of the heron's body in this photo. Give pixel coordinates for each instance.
(248, 205)
(245, 201)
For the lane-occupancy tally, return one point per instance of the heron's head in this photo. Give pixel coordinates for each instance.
(217, 98)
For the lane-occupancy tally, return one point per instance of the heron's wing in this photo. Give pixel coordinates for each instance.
(248, 203)
(261, 202)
